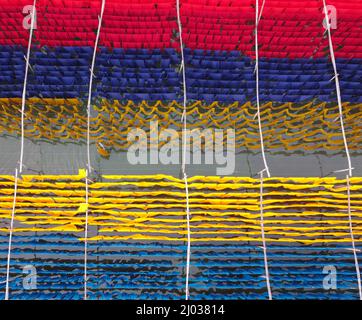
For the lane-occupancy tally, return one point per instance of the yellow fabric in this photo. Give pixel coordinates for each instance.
(152, 207)
(286, 126)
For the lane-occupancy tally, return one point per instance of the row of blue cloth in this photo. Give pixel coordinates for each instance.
(140, 74)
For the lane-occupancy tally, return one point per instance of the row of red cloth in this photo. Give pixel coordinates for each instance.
(207, 24)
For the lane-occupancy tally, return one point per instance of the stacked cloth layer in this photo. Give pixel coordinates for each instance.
(136, 230)
(137, 233)
(138, 57)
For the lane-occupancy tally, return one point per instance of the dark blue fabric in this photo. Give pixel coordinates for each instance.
(142, 74)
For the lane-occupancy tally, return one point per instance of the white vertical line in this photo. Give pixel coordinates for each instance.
(261, 10)
(11, 236)
(338, 90)
(89, 166)
(184, 119)
(100, 18)
(23, 99)
(352, 237)
(349, 169)
(187, 291)
(17, 171)
(86, 236)
(263, 237)
(266, 168)
(257, 18)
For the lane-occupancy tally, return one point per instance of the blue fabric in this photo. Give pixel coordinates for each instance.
(140, 74)
(153, 270)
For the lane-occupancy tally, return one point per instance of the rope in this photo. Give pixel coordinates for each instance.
(257, 18)
(184, 119)
(100, 18)
(261, 10)
(17, 171)
(349, 169)
(89, 166)
(23, 99)
(11, 236)
(338, 90)
(263, 237)
(86, 235)
(266, 168)
(352, 237)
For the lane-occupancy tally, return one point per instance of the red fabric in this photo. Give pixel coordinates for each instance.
(287, 29)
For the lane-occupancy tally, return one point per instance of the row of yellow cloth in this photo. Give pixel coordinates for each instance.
(152, 207)
(288, 126)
